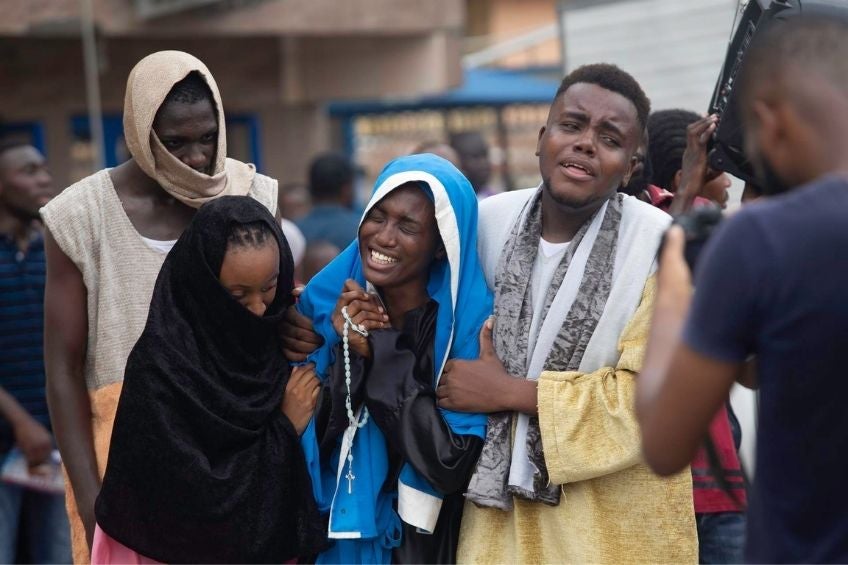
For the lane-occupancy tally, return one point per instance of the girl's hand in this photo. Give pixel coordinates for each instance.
(364, 309)
(301, 396)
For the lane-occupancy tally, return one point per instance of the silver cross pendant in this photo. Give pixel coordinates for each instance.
(350, 477)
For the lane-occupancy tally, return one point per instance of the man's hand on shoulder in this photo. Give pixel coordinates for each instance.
(483, 385)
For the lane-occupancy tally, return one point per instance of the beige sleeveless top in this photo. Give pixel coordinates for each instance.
(119, 270)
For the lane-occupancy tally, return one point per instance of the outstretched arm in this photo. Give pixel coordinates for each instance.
(65, 341)
(680, 390)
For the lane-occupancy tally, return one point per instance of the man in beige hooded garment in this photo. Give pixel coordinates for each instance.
(106, 239)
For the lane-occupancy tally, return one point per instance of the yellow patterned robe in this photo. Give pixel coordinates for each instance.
(613, 508)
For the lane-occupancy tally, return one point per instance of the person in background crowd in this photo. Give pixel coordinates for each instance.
(475, 164)
(106, 239)
(770, 303)
(331, 180)
(317, 255)
(25, 186)
(443, 150)
(668, 131)
(294, 201)
(719, 512)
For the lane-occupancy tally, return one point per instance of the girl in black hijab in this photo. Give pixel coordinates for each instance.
(205, 463)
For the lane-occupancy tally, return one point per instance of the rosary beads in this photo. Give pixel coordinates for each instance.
(353, 425)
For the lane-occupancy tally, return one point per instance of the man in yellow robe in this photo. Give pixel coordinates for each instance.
(561, 477)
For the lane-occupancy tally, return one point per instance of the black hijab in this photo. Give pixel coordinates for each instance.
(203, 465)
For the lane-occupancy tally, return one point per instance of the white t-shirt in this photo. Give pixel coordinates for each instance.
(547, 260)
(160, 246)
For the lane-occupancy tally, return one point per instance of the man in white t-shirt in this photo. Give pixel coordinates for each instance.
(571, 262)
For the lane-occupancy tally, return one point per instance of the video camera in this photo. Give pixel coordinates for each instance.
(726, 152)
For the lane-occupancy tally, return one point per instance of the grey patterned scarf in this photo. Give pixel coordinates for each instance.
(489, 485)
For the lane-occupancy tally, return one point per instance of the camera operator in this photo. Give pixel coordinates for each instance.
(771, 283)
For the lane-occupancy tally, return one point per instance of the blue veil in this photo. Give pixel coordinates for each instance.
(363, 522)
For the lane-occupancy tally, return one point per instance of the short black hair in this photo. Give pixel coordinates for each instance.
(253, 235)
(810, 42)
(328, 174)
(611, 78)
(193, 88)
(667, 142)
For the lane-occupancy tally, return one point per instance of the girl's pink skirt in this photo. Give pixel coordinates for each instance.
(107, 551)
